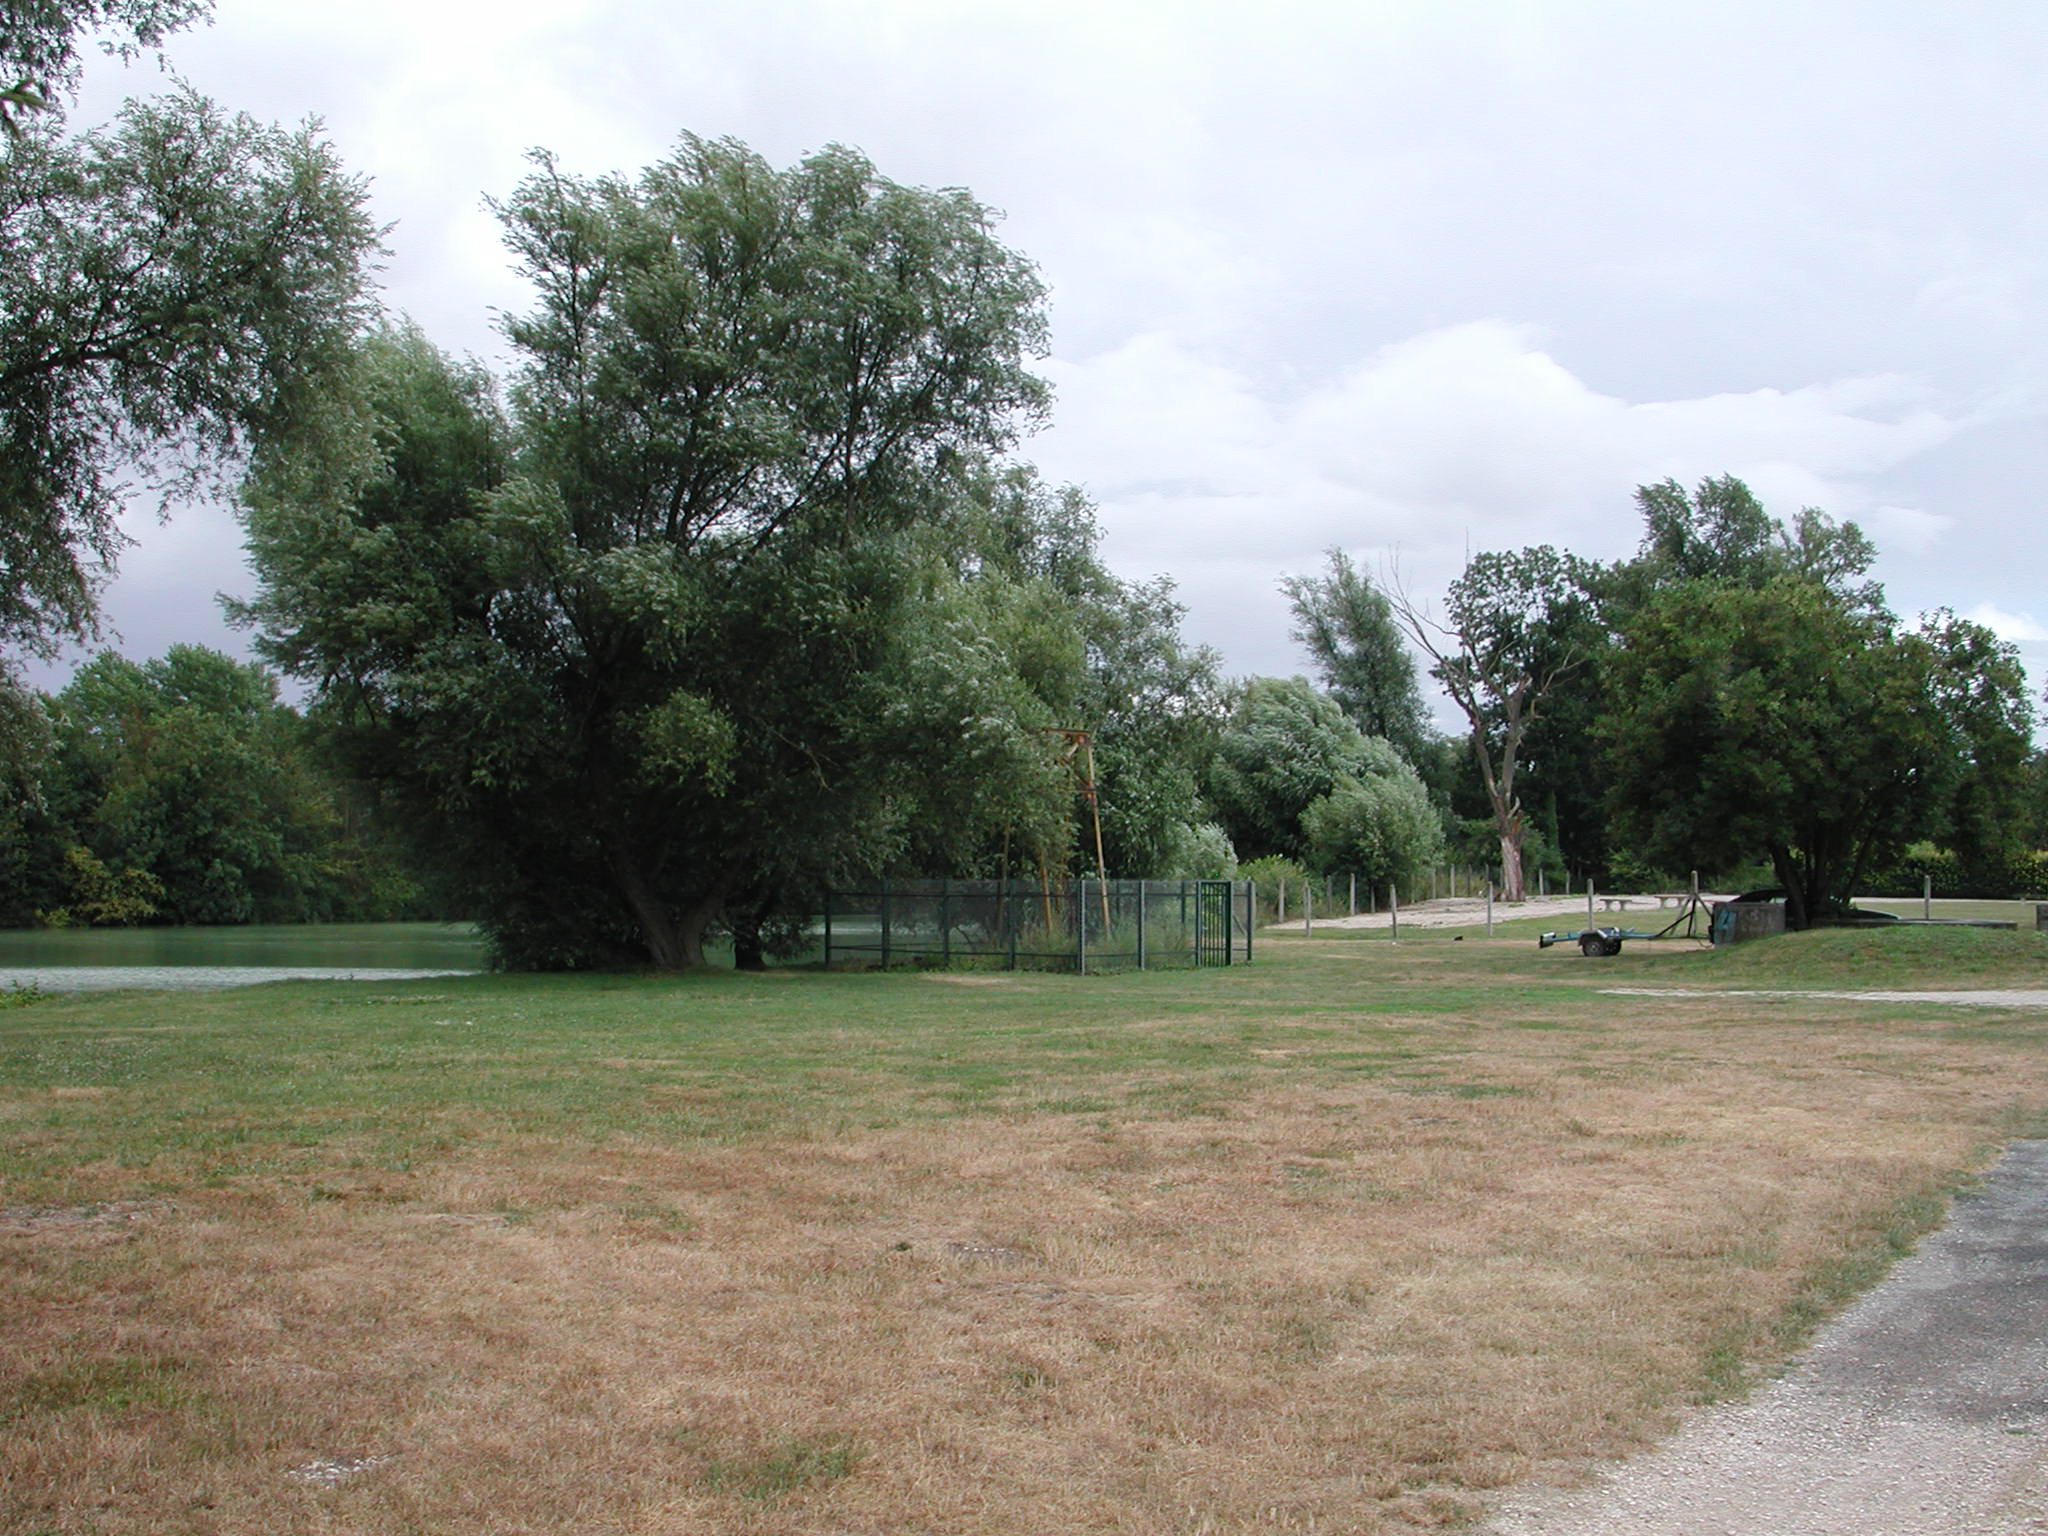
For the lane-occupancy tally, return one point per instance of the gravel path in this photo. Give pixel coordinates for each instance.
(2001, 997)
(1921, 1411)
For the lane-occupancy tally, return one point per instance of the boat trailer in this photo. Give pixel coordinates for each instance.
(1607, 941)
(1595, 941)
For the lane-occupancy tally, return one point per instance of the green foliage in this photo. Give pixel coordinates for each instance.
(39, 44)
(1517, 626)
(1267, 875)
(1779, 720)
(181, 790)
(171, 285)
(1155, 704)
(1765, 704)
(1379, 826)
(1721, 533)
(1283, 747)
(1980, 690)
(730, 602)
(98, 897)
(1090, 653)
(31, 842)
(1718, 534)
(1293, 777)
(1201, 852)
(179, 766)
(1347, 625)
(2017, 874)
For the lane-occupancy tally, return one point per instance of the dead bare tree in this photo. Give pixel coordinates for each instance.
(1508, 639)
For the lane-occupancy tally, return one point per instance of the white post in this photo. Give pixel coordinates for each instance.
(1354, 895)
(1589, 901)
(1489, 909)
(1394, 910)
(1280, 882)
(1308, 908)
(1927, 896)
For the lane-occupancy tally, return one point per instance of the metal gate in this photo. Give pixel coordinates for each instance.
(1213, 913)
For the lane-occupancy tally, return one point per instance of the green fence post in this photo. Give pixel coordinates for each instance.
(1080, 914)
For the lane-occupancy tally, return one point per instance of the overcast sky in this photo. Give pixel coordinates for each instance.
(1411, 277)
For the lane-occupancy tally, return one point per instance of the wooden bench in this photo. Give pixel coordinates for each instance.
(1609, 903)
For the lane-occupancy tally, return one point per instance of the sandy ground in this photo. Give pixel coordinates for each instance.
(1921, 1411)
(1470, 912)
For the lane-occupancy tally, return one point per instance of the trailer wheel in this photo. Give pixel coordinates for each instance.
(1591, 944)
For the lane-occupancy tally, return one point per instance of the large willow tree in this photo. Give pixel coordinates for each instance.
(683, 627)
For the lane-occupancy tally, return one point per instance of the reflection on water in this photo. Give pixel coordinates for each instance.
(237, 956)
(190, 978)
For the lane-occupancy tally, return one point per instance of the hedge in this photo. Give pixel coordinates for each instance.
(2015, 877)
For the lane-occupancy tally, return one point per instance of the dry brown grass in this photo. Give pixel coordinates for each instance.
(1333, 1303)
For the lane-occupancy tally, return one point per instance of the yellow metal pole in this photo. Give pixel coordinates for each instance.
(1095, 815)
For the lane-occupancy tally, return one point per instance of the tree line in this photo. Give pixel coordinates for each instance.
(181, 790)
(733, 587)
(1737, 694)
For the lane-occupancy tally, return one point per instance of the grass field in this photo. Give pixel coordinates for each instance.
(1333, 1243)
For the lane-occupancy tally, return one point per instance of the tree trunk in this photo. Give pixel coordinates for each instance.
(690, 928)
(747, 953)
(1511, 886)
(1507, 810)
(672, 942)
(1798, 914)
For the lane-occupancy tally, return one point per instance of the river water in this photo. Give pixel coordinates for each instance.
(84, 959)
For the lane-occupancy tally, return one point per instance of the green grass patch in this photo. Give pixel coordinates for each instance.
(283, 1080)
(120, 1384)
(1884, 957)
(792, 1465)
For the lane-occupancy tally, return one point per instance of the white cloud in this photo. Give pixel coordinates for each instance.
(1471, 436)
(2018, 628)
(1906, 530)
(1743, 236)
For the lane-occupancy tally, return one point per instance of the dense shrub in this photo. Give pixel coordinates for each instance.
(2011, 877)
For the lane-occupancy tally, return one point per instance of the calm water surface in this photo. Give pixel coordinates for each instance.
(68, 959)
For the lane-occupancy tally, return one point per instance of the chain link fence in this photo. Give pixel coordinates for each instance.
(1064, 925)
